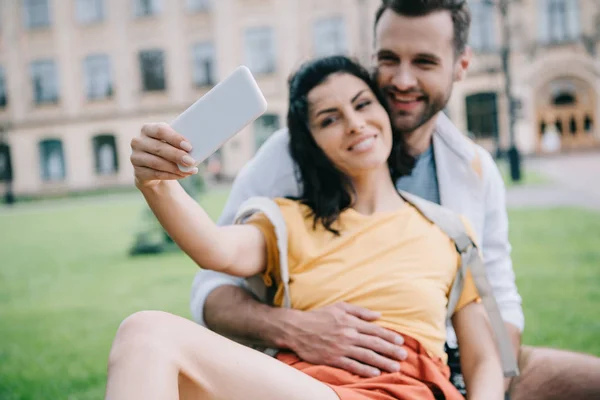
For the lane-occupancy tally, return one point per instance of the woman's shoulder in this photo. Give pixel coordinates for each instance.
(293, 209)
(294, 213)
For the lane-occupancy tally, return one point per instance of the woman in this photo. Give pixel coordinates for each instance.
(351, 238)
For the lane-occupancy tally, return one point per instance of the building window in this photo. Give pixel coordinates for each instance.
(105, 155)
(588, 124)
(204, 64)
(90, 11)
(3, 98)
(564, 99)
(146, 8)
(482, 35)
(259, 47)
(44, 81)
(98, 79)
(6, 172)
(559, 20)
(329, 37)
(53, 160)
(152, 67)
(482, 115)
(264, 127)
(36, 13)
(198, 5)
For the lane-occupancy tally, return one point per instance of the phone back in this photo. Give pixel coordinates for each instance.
(221, 113)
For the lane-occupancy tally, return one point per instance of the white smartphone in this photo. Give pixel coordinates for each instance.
(221, 113)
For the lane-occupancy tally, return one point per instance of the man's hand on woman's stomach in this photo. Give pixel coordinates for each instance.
(344, 336)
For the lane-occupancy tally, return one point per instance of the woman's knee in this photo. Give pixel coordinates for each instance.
(157, 331)
(143, 324)
(139, 332)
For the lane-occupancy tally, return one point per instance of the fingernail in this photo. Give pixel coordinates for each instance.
(185, 146)
(396, 367)
(399, 340)
(194, 171)
(375, 372)
(188, 160)
(402, 354)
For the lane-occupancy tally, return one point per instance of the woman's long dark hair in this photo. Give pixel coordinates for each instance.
(325, 189)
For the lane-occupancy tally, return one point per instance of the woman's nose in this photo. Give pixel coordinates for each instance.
(356, 123)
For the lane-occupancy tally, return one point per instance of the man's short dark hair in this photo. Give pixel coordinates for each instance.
(458, 9)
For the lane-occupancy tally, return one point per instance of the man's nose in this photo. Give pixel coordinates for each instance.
(404, 79)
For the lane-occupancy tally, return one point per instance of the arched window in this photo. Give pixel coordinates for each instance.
(564, 99)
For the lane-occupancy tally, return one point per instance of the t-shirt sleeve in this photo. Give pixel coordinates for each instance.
(469, 293)
(271, 274)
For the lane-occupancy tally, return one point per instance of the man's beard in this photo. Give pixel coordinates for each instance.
(407, 122)
(432, 107)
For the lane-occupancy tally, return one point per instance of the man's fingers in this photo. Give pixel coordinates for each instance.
(141, 159)
(360, 312)
(373, 359)
(144, 174)
(163, 132)
(162, 150)
(356, 368)
(372, 329)
(382, 347)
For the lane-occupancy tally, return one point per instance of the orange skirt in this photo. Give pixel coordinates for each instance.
(420, 377)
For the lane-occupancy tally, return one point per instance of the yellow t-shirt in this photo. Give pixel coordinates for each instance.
(397, 263)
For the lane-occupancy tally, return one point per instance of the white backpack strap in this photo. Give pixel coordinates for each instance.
(451, 224)
(271, 210)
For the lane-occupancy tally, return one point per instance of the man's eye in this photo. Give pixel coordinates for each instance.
(425, 61)
(387, 60)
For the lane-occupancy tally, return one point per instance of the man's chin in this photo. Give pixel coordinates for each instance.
(408, 123)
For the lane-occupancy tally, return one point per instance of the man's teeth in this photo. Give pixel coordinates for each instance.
(365, 144)
(405, 99)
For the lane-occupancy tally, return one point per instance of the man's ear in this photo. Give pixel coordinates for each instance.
(462, 64)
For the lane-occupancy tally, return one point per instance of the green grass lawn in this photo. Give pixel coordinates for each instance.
(556, 254)
(66, 282)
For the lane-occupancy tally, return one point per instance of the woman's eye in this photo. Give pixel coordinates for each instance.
(327, 121)
(363, 104)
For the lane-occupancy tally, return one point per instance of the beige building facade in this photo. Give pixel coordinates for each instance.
(78, 78)
(555, 74)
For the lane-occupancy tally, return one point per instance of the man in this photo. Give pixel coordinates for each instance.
(421, 50)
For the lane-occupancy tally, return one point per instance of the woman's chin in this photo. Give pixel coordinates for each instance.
(368, 165)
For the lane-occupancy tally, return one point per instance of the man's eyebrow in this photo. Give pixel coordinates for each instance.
(430, 56)
(388, 53)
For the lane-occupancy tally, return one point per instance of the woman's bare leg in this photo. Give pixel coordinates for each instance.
(156, 355)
